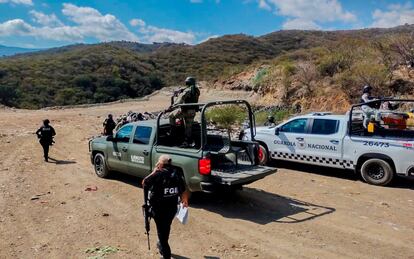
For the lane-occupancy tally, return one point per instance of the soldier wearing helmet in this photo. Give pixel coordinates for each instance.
(369, 109)
(190, 94)
(270, 121)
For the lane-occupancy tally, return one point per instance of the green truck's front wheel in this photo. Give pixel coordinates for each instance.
(99, 164)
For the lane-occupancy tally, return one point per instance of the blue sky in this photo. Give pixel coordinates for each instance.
(47, 23)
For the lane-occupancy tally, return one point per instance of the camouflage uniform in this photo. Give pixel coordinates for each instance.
(189, 95)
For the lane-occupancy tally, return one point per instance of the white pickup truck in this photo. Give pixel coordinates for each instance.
(330, 140)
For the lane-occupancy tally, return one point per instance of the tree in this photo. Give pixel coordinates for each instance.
(8, 95)
(403, 45)
(226, 117)
(307, 75)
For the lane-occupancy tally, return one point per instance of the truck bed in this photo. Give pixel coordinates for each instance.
(242, 174)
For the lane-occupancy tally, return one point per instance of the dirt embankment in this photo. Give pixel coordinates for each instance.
(270, 87)
(300, 212)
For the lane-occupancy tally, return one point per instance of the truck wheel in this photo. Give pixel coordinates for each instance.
(99, 163)
(377, 172)
(263, 155)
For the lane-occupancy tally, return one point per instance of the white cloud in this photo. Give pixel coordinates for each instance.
(152, 34)
(299, 23)
(15, 27)
(305, 14)
(137, 22)
(89, 23)
(46, 20)
(23, 2)
(264, 5)
(395, 15)
(208, 38)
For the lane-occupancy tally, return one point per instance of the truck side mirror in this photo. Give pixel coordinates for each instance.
(277, 131)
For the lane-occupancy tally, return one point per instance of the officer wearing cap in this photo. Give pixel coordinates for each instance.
(165, 186)
(190, 94)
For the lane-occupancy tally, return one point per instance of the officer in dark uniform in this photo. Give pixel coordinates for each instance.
(270, 121)
(164, 186)
(109, 125)
(45, 135)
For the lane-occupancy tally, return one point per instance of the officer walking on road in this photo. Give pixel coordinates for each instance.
(189, 95)
(45, 135)
(164, 186)
(109, 125)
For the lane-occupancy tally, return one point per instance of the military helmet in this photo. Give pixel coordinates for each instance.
(190, 81)
(270, 118)
(367, 89)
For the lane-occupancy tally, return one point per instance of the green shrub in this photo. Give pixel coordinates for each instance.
(279, 115)
(260, 76)
(226, 116)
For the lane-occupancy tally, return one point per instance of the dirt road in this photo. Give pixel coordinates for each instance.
(298, 213)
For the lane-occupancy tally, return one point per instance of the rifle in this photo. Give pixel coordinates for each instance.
(176, 93)
(147, 215)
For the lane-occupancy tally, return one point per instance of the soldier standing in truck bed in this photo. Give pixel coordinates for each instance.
(190, 94)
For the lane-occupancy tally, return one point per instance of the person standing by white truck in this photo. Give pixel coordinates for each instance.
(330, 140)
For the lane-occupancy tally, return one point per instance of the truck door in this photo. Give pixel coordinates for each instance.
(289, 140)
(325, 142)
(139, 153)
(118, 149)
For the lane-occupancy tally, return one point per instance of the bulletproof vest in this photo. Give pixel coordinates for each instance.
(371, 105)
(47, 132)
(193, 96)
(166, 188)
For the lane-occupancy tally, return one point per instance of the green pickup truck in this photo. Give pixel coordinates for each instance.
(215, 161)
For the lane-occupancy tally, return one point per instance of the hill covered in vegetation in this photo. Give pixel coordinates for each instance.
(275, 64)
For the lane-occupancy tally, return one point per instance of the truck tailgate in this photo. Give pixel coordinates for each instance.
(243, 174)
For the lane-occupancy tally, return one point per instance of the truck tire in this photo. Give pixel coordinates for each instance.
(263, 155)
(377, 172)
(99, 163)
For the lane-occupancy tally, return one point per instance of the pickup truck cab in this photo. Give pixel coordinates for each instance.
(329, 140)
(215, 161)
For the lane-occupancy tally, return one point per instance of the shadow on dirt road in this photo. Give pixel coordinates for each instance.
(349, 175)
(249, 204)
(60, 162)
(259, 206)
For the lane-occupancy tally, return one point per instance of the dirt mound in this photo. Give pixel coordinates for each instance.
(272, 87)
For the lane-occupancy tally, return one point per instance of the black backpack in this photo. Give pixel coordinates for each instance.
(167, 187)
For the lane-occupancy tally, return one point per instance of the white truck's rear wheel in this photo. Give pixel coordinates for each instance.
(377, 172)
(263, 155)
(99, 163)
